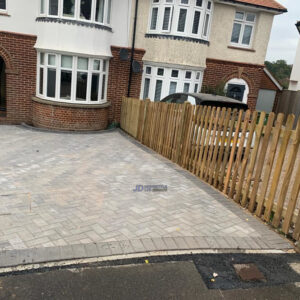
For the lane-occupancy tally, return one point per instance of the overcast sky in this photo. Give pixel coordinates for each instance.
(284, 36)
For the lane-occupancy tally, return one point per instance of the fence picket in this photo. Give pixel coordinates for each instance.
(278, 167)
(287, 177)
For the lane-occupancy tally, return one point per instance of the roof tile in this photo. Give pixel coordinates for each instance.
(263, 3)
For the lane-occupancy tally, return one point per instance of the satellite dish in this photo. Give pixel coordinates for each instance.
(124, 54)
(136, 67)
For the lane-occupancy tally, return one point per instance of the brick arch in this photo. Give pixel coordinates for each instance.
(249, 81)
(9, 64)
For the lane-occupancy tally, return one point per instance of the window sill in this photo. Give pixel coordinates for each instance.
(176, 37)
(241, 48)
(73, 22)
(71, 105)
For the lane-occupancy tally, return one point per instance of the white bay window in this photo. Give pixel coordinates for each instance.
(159, 82)
(72, 79)
(243, 29)
(189, 18)
(96, 11)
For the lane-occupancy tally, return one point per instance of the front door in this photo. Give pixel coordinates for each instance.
(236, 91)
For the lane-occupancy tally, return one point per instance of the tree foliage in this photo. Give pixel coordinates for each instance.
(280, 70)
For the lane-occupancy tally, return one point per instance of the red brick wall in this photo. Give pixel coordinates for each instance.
(267, 83)
(118, 81)
(20, 60)
(222, 71)
(68, 118)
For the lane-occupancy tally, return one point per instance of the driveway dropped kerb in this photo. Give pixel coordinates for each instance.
(65, 196)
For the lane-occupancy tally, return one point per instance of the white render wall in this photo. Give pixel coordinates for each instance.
(65, 37)
(21, 18)
(295, 76)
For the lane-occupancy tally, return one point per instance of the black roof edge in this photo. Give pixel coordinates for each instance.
(283, 10)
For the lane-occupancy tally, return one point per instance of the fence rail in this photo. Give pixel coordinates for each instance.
(253, 160)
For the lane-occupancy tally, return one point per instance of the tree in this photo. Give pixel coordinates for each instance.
(280, 70)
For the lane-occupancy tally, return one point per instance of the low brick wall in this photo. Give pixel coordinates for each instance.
(69, 117)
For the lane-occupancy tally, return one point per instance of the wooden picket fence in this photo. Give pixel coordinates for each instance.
(252, 159)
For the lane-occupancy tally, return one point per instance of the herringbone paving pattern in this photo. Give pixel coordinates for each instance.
(61, 189)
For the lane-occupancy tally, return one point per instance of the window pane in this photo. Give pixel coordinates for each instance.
(196, 22)
(41, 89)
(42, 58)
(66, 61)
(173, 86)
(250, 17)
(148, 70)
(68, 8)
(82, 63)
(236, 32)
(100, 11)
(81, 87)
(51, 60)
(247, 35)
(146, 88)
(174, 73)
(85, 9)
(198, 2)
(188, 75)
(95, 87)
(96, 66)
(185, 1)
(108, 11)
(209, 5)
(205, 32)
(181, 20)
(154, 18)
(158, 89)
(160, 72)
(42, 5)
(65, 85)
(167, 18)
(239, 16)
(51, 83)
(196, 88)
(103, 87)
(2, 4)
(186, 87)
(104, 65)
(53, 7)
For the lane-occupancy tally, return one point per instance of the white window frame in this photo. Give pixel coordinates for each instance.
(106, 18)
(175, 6)
(58, 68)
(167, 79)
(243, 23)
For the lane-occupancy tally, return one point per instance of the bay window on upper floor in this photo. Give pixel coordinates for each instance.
(72, 79)
(243, 29)
(96, 11)
(189, 18)
(2, 5)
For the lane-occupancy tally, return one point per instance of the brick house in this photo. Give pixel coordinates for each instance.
(66, 64)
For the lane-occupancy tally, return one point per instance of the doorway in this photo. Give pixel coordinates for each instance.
(2, 86)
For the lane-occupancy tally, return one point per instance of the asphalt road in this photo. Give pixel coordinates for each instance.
(180, 277)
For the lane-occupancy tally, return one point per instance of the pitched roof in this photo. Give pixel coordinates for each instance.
(268, 4)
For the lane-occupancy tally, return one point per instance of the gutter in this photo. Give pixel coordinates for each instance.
(133, 46)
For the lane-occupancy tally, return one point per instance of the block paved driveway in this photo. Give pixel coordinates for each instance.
(59, 189)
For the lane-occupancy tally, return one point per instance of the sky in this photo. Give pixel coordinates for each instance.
(284, 36)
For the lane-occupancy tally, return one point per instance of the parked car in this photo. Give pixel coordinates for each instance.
(205, 99)
(211, 100)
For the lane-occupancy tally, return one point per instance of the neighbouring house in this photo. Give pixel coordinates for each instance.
(66, 64)
(295, 75)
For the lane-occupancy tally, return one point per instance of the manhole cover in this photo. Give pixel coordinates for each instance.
(249, 272)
